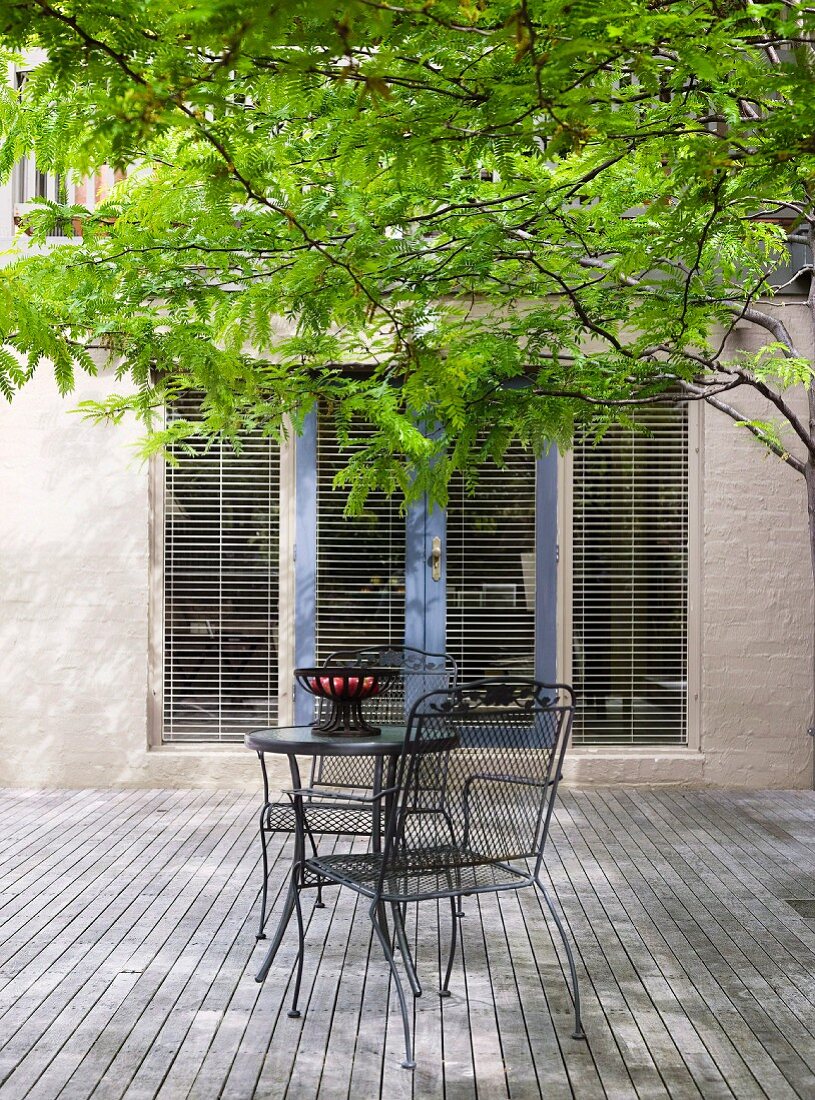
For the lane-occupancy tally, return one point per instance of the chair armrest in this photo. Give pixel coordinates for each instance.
(327, 795)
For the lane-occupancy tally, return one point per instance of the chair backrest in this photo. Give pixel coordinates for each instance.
(420, 672)
(494, 749)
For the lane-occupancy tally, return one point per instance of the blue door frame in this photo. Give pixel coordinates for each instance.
(425, 598)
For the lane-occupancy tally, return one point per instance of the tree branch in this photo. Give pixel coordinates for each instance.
(742, 420)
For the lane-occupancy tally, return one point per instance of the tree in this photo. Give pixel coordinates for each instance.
(511, 219)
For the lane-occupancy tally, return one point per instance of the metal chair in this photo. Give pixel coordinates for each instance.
(331, 811)
(495, 749)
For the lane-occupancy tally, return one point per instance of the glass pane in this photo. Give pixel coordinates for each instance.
(629, 595)
(491, 570)
(221, 591)
(360, 563)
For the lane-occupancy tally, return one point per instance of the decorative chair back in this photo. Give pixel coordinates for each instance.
(420, 672)
(504, 742)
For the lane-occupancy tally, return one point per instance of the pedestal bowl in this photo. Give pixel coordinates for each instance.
(345, 689)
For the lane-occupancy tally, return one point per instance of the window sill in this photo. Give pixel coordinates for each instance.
(200, 748)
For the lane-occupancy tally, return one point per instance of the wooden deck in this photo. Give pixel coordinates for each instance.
(127, 956)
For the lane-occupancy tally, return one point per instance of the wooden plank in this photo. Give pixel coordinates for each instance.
(41, 963)
(173, 1007)
(56, 897)
(370, 1048)
(488, 1056)
(704, 988)
(520, 996)
(345, 1000)
(327, 987)
(596, 1065)
(127, 963)
(746, 951)
(763, 875)
(269, 1045)
(233, 993)
(77, 993)
(65, 848)
(25, 819)
(428, 926)
(715, 1016)
(629, 1018)
(397, 1083)
(189, 896)
(675, 1038)
(459, 1071)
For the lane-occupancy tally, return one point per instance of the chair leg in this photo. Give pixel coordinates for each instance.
(578, 1032)
(294, 1011)
(285, 917)
(264, 893)
(454, 913)
(404, 947)
(409, 1061)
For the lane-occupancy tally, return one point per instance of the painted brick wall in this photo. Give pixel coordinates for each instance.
(73, 592)
(757, 601)
(74, 556)
(74, 577)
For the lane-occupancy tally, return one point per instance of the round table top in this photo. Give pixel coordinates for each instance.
(303, 740)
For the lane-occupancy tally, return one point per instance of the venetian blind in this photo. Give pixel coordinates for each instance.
(360, 561)
(629, 588)
(491, 570)
(221, 513)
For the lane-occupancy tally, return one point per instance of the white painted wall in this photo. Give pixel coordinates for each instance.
(74, 578)
(758, 606)
(74, 570)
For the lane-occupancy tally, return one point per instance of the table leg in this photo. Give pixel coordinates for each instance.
(294, 875)
(376, 834)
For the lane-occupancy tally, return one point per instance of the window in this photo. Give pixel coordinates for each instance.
(221, 527)
(30, 183)
(629, 583)
(360, 562)
(491, 570)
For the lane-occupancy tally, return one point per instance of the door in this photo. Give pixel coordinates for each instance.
(477, 579)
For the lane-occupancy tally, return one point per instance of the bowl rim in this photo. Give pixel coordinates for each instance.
(381, 675)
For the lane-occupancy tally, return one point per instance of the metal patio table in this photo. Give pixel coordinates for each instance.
(294, 741)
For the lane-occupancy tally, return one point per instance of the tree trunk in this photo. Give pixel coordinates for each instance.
(809, 469)
(809, 475)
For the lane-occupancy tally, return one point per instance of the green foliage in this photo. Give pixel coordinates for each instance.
(474, 216)
(768, 432)
(773, 364)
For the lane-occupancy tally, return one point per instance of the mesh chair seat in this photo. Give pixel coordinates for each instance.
(325, 818)
(412, 875)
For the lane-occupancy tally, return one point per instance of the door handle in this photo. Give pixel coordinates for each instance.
(435, 558)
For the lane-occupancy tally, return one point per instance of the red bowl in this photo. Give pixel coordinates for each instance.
(332, 682)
